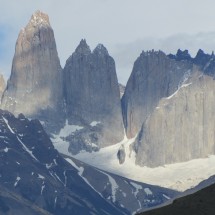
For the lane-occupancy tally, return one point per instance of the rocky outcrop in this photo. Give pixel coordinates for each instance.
(121, 154)
(92, 98)
(2, 85)
(35, 84)
(182, 126)
(154, 76)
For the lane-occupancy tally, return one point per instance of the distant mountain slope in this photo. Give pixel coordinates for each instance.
(199, 203)
(30, 167)
(132, 195)
(12, 203)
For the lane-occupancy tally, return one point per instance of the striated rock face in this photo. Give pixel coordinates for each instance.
(154, 76)
(92, 98)
(182, 127)
(2, 85)
(35, 84)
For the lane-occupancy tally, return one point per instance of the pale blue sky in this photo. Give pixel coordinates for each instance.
(125, 27)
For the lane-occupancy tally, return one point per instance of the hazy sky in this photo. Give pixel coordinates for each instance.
(125, 27)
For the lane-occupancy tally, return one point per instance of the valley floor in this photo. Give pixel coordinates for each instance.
(180, 176)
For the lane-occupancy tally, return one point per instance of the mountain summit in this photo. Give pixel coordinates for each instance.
(92, 98)
(39, 19)
(35, 84)
(83, 48)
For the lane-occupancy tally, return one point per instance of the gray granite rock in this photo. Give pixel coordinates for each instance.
(154, 75)
(35, 84)
(181, 127)
(2, 85)
(92, 98)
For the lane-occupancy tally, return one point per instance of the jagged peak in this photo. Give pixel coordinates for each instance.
(200, 53)
(152, 53)
(100, 50)
(183, 55)
(201, 57)
(83, 48)
(39, 19)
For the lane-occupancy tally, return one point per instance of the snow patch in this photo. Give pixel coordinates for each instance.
(165, 196)
(68, 129)
(114, 186)
(6, 121)
(182, 86)
(55, 162)
(17, 181)
(58, 178)
(26, 149)
(94, 123)
(59, 140)
(41, 177)
(148, 191)
(137, 186)
(23, 145)
(80, 172)
(55, 202)
(42, 189)
(6, 150)
(179, 176)
(48, 166)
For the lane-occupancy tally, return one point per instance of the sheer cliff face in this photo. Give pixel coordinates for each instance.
(92, 95)
(154, 76)
(2, 85)
(35, 81)
(182, 126)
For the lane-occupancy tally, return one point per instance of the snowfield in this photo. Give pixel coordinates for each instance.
(179, 176)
